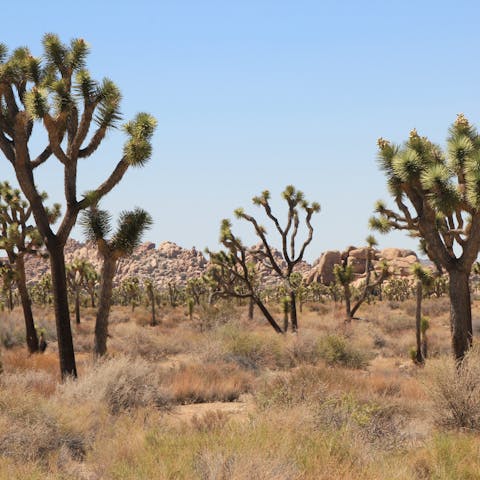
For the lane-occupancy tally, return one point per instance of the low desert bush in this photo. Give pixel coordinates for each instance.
(302, 385)
(338, 350)
(122, 383)
(254, 351)
(306, 348)
(455, 391)
(135, 341)
(375, 423)
(31, 430)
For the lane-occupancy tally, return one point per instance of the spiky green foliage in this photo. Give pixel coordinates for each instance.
(437, 199)
(343, 274)
(96, 224)
(424, 275)
(131, 226)
(138, 149)
(130, 229)
(16, 234)
(430, 188)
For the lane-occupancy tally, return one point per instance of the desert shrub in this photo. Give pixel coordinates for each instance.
(302, 385)
(455, 392)
(338, 350)
(221, 382)
(29, 431)
(12, 333)
(306, 349)
(377, 424)
(212, 316)
(122, 383)
(254, 351)
(145, 342)
(236, 466)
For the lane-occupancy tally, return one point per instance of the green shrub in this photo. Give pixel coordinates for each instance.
(336, 350)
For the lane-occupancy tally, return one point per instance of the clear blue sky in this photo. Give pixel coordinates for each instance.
(254, 95)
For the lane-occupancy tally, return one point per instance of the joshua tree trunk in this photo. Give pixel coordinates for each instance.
(418, 323)
(62, 315)
(348, 307)
(77, 305)
(31, 333)
(104, 303)
(251, 306)
(293, 311)
(460, 312)
(152, 301)
(269, 317)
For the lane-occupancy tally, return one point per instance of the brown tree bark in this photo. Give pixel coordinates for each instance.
(62, 315)
(77, 305)
(268, 316)
(293, 311)
(31, 333)
(460, 312)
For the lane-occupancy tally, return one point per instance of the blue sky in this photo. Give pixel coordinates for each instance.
(254, 95)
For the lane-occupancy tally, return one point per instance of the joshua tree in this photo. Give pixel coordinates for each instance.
(425, 281)
(77, 273)
(150, 288)
(18, 239)
(58, 91)
(437, 198)
(42, 290)
(9, 277)
(92, 280)
(233, 275)
(288, 235)
(344, 276)
(97, 226)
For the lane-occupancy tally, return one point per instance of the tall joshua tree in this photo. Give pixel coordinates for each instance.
(233, 275)
(424, 281)
(97, 226)
(77, 272)
(437, 198)
(19, 238)
(291, 254)
(76, 112)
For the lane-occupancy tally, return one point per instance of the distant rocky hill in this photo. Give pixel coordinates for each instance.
(170, 262)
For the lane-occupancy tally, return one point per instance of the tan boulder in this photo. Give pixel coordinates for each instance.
(393, 253)
(323, 271)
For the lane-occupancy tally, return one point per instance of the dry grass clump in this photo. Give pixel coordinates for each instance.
(19, 360)
(222, 382)
(218, 465)
(302, 385)
(122, 383)
(31, 430)
(210, 421)
(455, 391)
(146, 342)
(28, 381)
